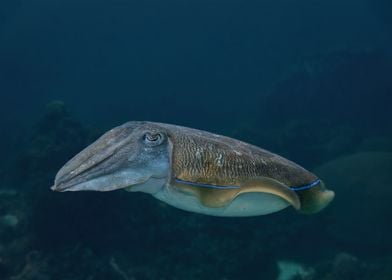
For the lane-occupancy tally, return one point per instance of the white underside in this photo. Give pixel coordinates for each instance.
(247, 204)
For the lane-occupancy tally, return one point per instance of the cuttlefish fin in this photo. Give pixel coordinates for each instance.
(221, 197)
(210, 195)
(315, 199)
(272, 186)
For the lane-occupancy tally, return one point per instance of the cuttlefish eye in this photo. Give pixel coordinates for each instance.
(153, 139)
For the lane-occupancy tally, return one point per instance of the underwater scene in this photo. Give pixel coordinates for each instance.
(163, 194)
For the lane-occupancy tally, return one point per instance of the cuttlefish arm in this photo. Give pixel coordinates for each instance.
(215, 196)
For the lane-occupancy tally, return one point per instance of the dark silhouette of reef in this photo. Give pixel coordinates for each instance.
(331, 104)
(55, 139)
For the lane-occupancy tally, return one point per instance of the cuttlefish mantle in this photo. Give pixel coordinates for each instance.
(193, 170)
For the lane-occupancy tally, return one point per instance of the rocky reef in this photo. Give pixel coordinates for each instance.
(56, 137)
(331, 104)
(361, 209)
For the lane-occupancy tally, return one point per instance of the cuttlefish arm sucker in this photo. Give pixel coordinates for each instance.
(193, 170)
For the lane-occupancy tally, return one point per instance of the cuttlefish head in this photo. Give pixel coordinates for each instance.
(126, 157)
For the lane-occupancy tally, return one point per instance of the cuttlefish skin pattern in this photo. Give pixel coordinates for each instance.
(204, 157)
(207, 173)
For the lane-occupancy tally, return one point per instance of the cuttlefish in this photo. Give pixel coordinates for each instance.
(193, 170)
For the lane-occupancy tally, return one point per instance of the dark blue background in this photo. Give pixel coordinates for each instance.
(311, 80)
(112, 61)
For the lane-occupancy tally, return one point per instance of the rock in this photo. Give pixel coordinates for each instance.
(289, 270)
(342, 266)
(7, 192)
(360, 213)
(9, 220)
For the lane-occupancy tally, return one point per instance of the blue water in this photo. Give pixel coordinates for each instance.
(309, 80)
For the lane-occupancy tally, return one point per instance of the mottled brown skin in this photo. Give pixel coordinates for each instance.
(207, 158)
(204, 157)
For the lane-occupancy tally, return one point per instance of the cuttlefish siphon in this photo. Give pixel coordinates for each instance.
(193, 170)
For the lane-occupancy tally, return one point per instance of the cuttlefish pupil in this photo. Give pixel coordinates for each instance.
(193, 170)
